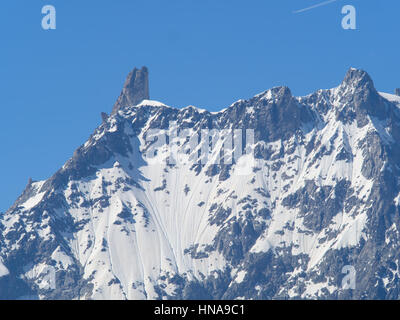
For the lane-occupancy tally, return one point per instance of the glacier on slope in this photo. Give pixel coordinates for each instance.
(323, 193)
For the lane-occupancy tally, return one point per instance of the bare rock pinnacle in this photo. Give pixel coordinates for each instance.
(104, 117)
(135, 90)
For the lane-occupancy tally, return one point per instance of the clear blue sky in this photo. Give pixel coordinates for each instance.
(207, 53)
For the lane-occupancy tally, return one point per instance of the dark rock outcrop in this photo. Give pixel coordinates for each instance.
(135, 90)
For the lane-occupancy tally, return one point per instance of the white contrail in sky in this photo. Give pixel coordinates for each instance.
(315, 6)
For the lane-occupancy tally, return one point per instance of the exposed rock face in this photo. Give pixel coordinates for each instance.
(359, 99)
(323, 193)
(135, 90)
(104, 116)
(397, 92)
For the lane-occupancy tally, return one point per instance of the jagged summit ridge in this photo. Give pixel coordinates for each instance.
(322, 193)
(136, 88)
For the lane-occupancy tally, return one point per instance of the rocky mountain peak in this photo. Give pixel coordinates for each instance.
(135, 90)
(275, 93)
(358, 78)
(280, 92)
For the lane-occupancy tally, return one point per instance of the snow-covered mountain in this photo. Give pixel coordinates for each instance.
(322, 195)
